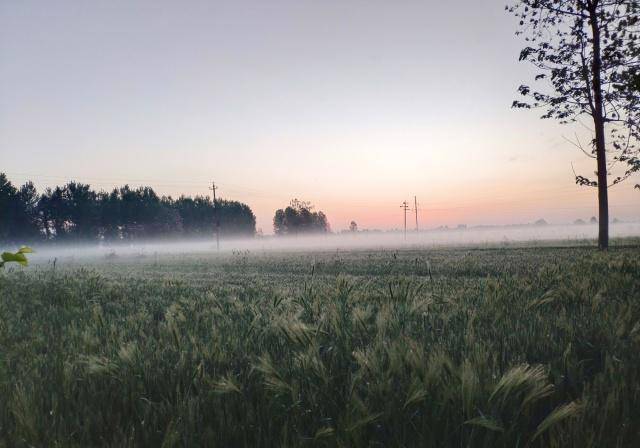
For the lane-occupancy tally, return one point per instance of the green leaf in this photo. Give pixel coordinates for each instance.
(25, 250)
(16, 258)
(7, 256)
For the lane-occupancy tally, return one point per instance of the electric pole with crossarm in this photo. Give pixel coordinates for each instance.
(215, 215)
(415, 205)
(405, 207)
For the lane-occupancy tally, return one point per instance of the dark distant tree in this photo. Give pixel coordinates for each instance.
(143, 214)
(76, 212)
(109, 215)
(198, 217)
(586, 53)
(279, 222)
(130, 219)
(353, 227)
(196, 214)
(18, 216)
(28, 196)
(299, 217)
(168, 221)
(69, 212)
(7, 195)
(236, 218)
(53, 212)
(82, 211)
(292, 220)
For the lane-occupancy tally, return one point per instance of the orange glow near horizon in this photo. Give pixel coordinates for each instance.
(354, 109)
(489, 203)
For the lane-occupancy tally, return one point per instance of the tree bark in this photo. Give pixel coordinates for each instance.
(598, 121)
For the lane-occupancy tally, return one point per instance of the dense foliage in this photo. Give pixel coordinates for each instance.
(536, 347)
(298, 218)
(587, 59)
(75, 212)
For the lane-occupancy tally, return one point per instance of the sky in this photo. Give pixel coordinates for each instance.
(354, 105)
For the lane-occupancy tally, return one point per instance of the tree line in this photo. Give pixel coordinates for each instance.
(76, 212)
(298, 218)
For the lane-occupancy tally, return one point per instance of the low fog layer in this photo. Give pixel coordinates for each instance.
(488, 236)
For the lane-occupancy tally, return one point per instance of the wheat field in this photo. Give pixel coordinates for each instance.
(465, 347)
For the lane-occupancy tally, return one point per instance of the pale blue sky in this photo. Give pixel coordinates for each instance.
(355, 105)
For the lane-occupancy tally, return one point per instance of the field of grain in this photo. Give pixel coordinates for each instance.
(465, 347)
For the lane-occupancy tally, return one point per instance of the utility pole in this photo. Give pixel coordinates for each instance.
(405, 207)
(215, 214)
(415, 204)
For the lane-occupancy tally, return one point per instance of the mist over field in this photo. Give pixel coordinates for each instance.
(442, 346)
(490, 236)
(320, 224)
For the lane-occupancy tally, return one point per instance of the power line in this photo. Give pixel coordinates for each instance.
(537, 194)
(252, 191)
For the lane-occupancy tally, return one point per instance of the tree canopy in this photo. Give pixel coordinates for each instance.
(76, 212)
(587, 56)
(299, 218)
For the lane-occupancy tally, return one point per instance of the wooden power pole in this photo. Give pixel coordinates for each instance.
(215, 215)
(405, 207)
(415, 207)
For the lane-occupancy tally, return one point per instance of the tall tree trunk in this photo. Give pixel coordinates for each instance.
(603, 193)
(599, 120)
